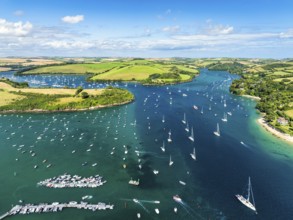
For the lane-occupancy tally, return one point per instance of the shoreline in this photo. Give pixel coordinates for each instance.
(66, 110)
(252, 97)
(274, 131)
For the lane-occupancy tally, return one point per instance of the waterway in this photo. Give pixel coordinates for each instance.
(74, 142)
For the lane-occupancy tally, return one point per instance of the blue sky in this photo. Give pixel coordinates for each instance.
(140, 28)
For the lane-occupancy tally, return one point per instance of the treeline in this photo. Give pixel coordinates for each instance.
(173, 75)
(32, 101)
(14, 84)
(232, 67)
(42, 102)
(276, 97)
(276, 65)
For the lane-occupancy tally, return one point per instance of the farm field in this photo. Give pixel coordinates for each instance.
(124, 70)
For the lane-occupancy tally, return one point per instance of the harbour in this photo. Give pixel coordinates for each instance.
(54, 207)
(66, 180)
(132, 142)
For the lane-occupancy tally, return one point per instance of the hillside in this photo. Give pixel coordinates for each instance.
(141, 70)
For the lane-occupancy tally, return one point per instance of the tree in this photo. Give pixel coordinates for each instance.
(78, 90)
(84, 95)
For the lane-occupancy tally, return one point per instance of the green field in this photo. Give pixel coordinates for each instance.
(61, 99)
(288, 79)
(7, 97)
(131, 72)
(289, 113)
(280, 73)
(94, 68)
(140, 70)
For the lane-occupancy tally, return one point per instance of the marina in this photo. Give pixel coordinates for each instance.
(68, 181)
(54, 207)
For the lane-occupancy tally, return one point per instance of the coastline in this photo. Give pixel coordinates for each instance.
(252, 97)
(274, 131)
(66, 110)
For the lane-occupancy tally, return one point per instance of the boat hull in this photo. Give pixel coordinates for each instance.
(245, 202)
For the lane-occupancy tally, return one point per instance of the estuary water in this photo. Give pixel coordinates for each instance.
(125, 142)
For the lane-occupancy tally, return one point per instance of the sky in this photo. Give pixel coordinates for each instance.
(147, 28)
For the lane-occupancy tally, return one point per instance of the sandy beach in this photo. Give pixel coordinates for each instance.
(252, 97)
(275, 132)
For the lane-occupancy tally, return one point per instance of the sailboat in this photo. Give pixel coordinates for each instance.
(187, 127)
(225, 119)
(191, 137)
(169, 138)
(184, 119)
(163, 147)
(201, 112)
(217, 133)
(225, 103)
(193, 155)
(246, 201)
(163, 120)
(170, 161)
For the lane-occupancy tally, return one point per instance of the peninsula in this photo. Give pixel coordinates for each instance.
(145, 71)
(18, 97)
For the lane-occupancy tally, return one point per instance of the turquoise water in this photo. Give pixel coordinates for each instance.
(221, 170)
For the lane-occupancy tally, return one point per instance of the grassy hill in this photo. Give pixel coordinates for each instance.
(140, 70)
(18, 99)
(273, 83)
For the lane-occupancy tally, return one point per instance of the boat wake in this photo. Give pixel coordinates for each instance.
(245, 145)
(189, 210)
(140, 202)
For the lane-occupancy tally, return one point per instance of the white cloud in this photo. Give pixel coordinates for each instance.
(73, 19)
(171, 29)
(69, 45)
(219, 29)
(26, 40)
(287, 34)
(14, 28)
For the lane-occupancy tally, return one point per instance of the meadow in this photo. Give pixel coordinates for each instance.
(61, 99)
(139, 70)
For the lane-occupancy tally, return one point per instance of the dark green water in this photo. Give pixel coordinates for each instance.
(221, 170)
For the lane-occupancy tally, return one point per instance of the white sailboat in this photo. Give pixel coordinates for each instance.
(191, 137)
(170, 161)
(225, 103)
(169, 138)
(163, 147)
(217, 132)
(225, 119)
(184, 119)
(246, 201)
(193, 155)
(187, 127)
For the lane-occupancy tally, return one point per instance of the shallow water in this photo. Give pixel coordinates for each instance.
(221, 170)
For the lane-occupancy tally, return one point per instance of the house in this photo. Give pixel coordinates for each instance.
(282, 121)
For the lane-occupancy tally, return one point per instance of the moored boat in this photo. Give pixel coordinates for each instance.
(249, 201)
